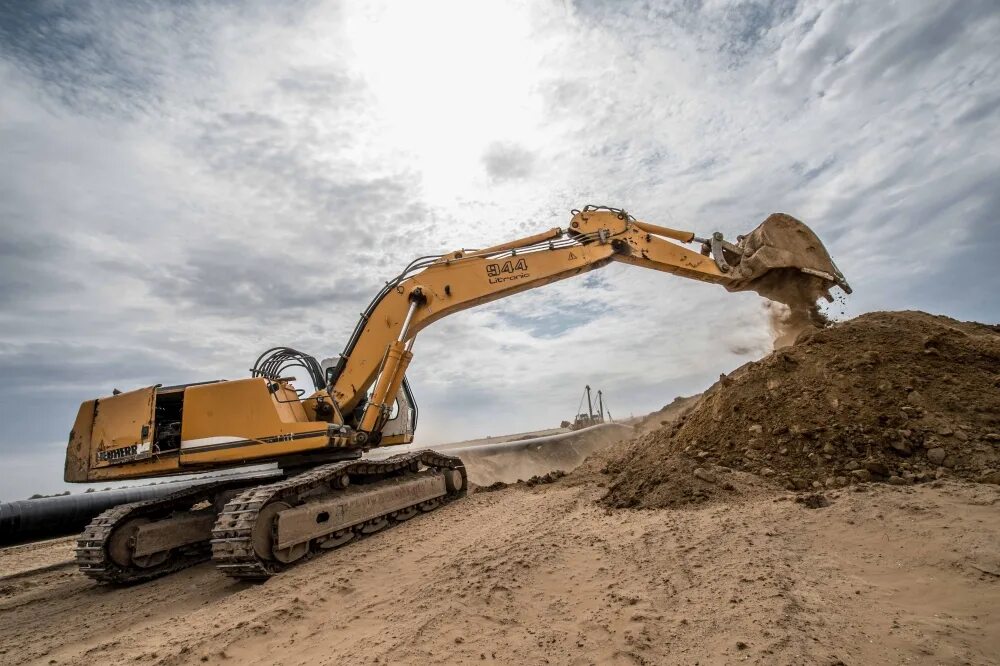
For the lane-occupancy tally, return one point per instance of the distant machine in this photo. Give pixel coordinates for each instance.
(588, 418)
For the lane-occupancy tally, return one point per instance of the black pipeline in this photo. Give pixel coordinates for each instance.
(49, 517)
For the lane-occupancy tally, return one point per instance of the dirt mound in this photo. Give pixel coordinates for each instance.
(901, 397)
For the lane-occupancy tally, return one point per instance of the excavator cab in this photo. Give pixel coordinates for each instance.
(402, 421)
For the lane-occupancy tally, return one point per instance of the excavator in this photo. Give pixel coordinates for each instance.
(327, 493)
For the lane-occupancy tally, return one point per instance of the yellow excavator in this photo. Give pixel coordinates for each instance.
(328, 494)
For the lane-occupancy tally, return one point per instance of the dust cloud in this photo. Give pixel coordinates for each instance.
(792, 304)
(486, 466)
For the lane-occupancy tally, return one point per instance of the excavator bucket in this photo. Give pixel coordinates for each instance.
(782, 260)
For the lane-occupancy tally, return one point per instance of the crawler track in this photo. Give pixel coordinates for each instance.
(92, 546)
(232, 542)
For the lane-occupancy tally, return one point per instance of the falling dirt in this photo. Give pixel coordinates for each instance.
(775, 254)
(793, 306)
(899, 397)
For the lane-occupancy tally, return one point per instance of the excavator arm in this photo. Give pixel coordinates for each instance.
(381, 347)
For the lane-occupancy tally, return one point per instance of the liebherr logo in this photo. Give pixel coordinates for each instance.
(507, 271)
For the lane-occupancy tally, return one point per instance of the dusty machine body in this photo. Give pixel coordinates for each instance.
(329, 494)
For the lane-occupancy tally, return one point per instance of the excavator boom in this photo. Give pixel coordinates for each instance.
(595, 237)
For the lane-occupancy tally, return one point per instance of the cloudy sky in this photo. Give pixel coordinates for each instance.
(183, 185)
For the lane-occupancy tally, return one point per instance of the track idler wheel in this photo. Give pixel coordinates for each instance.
(454, 480)
(121, 547)
(263, 536)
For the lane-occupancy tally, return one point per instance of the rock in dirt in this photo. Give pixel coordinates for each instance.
(497, 485)
(798, 483)
(877, 468)
(704, 475)
(990, 477)
(861, 475)
(838, 403)
(550, 477)
(902, 448)
(537, 480)
(813, 500)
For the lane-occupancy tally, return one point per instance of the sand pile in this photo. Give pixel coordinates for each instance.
(900, 397)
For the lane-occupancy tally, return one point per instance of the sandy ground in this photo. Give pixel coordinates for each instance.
(29, 558)
(887, 575)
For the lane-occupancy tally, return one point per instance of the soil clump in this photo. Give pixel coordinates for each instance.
(895, 397)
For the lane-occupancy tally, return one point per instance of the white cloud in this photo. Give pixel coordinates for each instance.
(182, 186)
